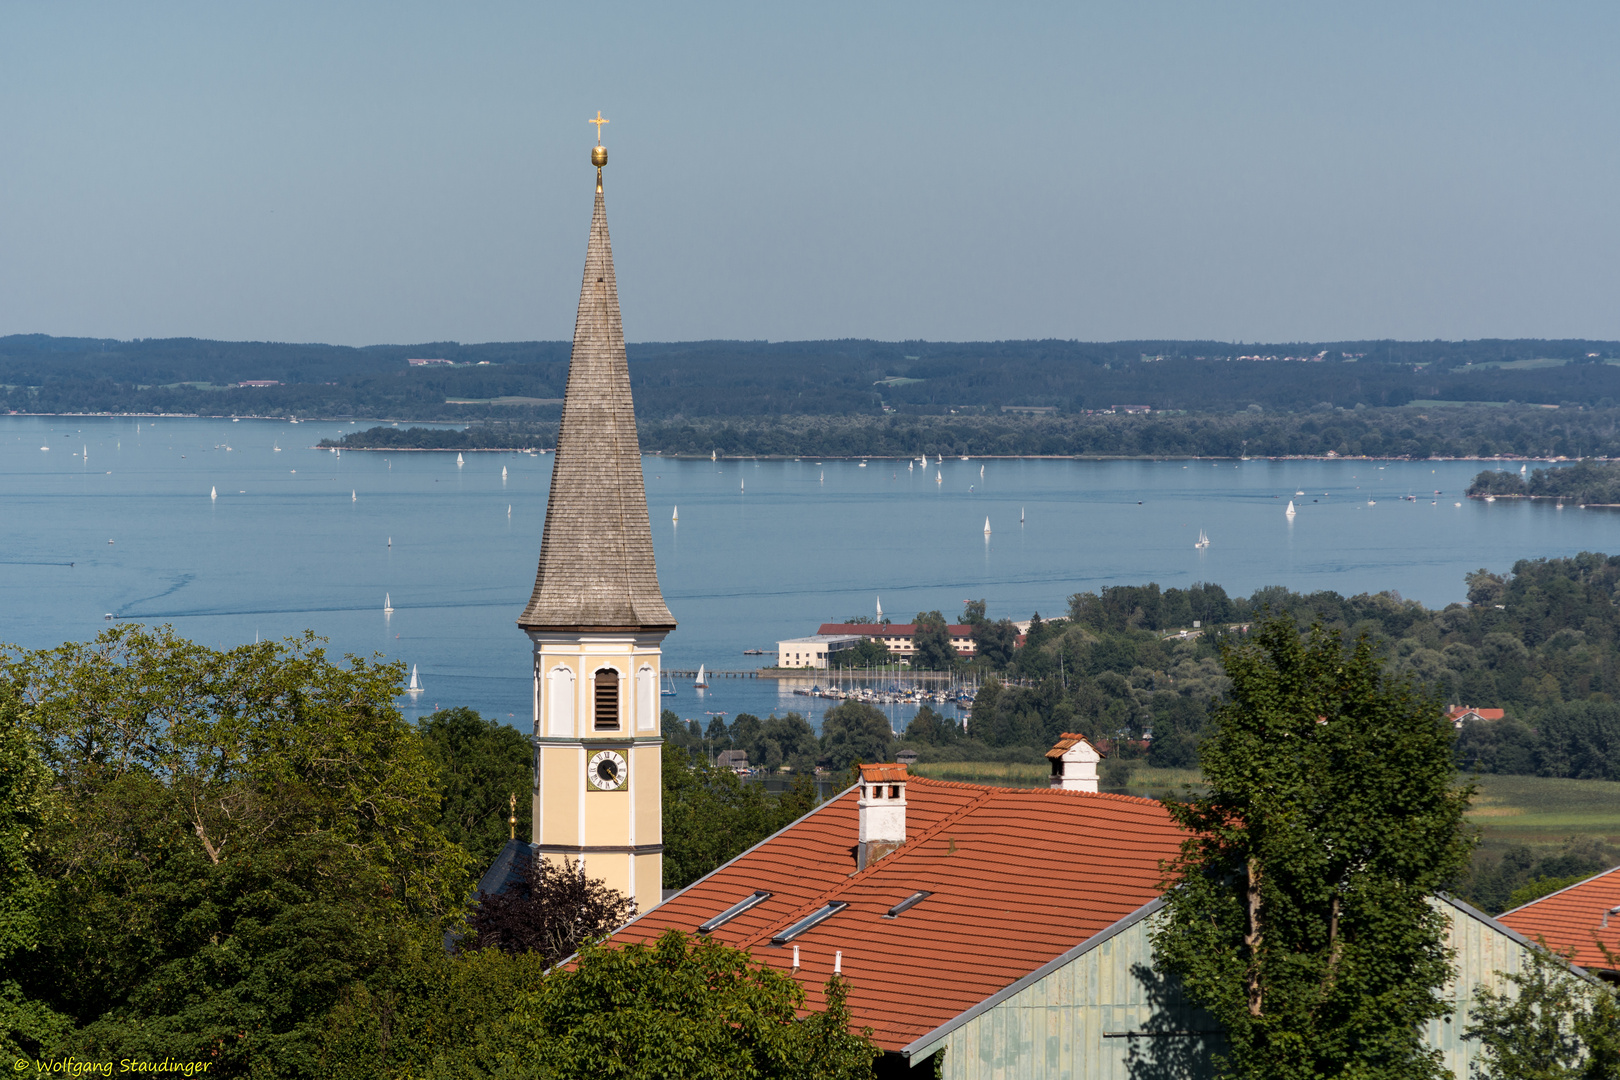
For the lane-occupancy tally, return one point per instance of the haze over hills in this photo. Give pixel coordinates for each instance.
(711, 379)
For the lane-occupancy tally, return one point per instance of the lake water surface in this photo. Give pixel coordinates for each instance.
(300, 538)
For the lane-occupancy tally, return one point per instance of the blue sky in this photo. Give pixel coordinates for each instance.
(395, 172)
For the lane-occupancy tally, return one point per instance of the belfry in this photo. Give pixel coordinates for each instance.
(597, 618)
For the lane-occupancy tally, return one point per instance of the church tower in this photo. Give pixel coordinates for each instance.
(597, 618)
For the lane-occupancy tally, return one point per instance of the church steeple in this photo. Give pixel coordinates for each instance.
(597, 618)
(596, 567)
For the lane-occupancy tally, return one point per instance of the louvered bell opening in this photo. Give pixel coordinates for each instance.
(607, 700)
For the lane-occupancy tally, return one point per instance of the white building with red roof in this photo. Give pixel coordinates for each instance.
(1582, 919)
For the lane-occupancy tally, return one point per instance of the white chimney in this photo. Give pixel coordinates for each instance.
(881, 804)
(1074, 764)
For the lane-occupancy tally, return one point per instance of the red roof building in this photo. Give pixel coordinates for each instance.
(1581, 917)
(989, 885)
(1457, 714)
(897, 637)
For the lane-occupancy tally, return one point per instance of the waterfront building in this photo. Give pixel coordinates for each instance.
(596, 617)
(813, 651)
(898, 638)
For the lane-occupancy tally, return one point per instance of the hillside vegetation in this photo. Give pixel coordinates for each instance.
(817, 378)
(1588, 483)
(1406, 432)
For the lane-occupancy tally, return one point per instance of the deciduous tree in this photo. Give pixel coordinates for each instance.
(1300, 912)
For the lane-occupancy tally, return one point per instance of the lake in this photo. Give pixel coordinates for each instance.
(301, 538)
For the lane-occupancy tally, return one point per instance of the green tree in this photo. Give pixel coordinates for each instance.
(25, 1024)
(482, 764)
(1299, 912)
(868, 652)
(931, 643)
(712, 815)
(551, 909)
(932, 729)
(1552, 1026)
(243, 834)
(854, 731)
(681, 1007)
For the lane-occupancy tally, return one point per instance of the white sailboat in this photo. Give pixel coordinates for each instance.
(823, 478)
(459, 460)
(276, 447)
(415, 686)
(1020, 515)
(880, 609)
(675, 516)
(939, 477)
(508, 511)
(1521, 470)
(1290, 511)
(354, 496)
(714, 455)
(388, 604)
(702, 679)
(987, 526)
(213, 493)
(742, 485)
(981, 472)
(668, 691)
(1202, 541)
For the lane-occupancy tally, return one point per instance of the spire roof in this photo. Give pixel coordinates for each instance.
(596, 556)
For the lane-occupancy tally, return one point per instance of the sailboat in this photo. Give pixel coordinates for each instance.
(714, 455)
(353, 495)
(939, 477)
(459, 460)
(1290, 511)
(702, 679)
(742, 485)
(503, 473)
(670, 690)
(1020, 515)
(823, 478)
(415, 686)
(981, 472)
(675, 516)
(388, 604)
(986, 526)
(213, 493)
(1521, 470)
(880, 609)
(1203, 540)
(276, 447)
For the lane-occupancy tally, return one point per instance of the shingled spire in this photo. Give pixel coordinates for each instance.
(596, 555)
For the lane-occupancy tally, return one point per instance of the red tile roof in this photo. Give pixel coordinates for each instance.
(1067, 742)
(882, 630)
(1017, 876)
(1457, 712)
(1573, 918)
(884, 774)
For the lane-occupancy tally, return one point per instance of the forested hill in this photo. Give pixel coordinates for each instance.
(523, 380)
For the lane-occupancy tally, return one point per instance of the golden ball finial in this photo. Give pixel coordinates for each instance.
(599, 155)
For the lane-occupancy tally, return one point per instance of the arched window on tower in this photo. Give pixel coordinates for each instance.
(607, 700)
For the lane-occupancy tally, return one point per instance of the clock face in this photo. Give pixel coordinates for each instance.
(607, 771)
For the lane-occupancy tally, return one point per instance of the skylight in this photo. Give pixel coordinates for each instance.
(814, 918)
(909, 902)
(733, 911)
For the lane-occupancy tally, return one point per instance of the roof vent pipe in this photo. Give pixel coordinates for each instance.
(1074, 764)
(882, 808)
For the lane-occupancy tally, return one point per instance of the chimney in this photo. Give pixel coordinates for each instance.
(1074, 764)
(882, 807)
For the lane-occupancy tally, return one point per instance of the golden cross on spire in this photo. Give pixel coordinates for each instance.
(598, 122)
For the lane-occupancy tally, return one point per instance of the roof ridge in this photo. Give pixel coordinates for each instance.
(1037, 790)
(1558, 892)
(827, 894)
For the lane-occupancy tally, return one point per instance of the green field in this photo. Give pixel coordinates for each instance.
(1508, 809)
(1539, 810)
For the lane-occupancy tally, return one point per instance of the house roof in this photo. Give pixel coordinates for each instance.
(884, 774)
(1572, 918)
(1457, 712)
(596, 566)
(1016, 877)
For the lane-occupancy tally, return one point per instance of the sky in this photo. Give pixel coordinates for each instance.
(362, 173)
